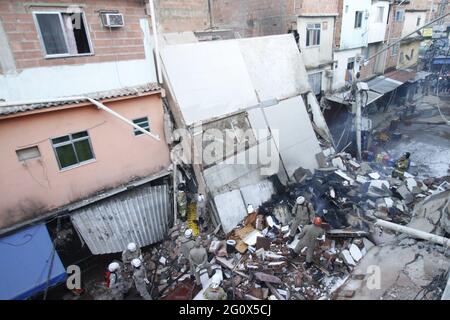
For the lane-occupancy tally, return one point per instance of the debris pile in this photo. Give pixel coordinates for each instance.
(255, 260)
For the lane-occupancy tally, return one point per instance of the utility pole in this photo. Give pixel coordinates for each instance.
(441, 10)
(358, 119)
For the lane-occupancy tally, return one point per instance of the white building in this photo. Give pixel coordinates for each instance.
(316, 44)
(378, 18)
(354, 36)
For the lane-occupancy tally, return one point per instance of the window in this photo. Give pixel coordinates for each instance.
(418, 21)
(365, 52)
(399, 15)
(358, 19)
(63, 34)
(313, 34)
(315, 81)
(73, 149)
(143, 123)
(395, 49)
(380, 14)
(402, 57)
(350, 63)
(28, 153)
(412, 53)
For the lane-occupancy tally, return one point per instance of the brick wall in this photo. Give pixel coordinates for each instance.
(182, 15)
(338, 25)
(124, 43)
(253, 18)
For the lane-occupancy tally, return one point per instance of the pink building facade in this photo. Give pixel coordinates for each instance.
(55, 156)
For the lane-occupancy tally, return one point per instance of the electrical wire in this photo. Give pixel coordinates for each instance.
(29, 237)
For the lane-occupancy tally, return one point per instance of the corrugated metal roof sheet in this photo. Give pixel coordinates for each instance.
(383, 85)
(110, 94)
(140, 215)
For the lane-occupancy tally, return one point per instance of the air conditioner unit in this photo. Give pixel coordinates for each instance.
(329, 73)
(112, 20)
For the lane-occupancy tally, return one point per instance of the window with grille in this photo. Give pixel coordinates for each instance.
(313, 34)
(143, 123)
(315, 80)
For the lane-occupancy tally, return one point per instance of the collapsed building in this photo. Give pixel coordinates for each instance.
(247, 130)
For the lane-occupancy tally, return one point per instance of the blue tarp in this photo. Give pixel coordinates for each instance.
(25, 259)
(441, 60)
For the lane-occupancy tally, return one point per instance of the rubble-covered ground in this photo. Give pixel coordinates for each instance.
(350, 196)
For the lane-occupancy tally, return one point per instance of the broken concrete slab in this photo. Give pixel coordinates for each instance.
(264, 277)
(348, 259)
(338, 163)
(355, 252)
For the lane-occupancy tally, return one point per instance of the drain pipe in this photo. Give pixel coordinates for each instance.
(94, 102)
(414, 233)
(155, 36)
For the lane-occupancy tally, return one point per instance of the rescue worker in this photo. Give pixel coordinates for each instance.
(186, 245)
(215, 291)
(115, 281)
(132, 252)
(181, 201)
(201, 206)
(401, 166)
(303, 212)
(308, 238)
(140, 279)
(198, 260)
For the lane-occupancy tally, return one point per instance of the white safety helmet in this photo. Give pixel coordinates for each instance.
(136, 263)
(113, 266)
(250, 209)
(215, 281)
(188, 233)
(300, 200)
(131, 247)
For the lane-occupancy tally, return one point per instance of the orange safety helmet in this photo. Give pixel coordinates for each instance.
(317, 221)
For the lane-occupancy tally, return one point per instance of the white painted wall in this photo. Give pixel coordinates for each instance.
(352, 37)
(377, 29)
(214, 78)
(60, 81)
(342, 58)
(313, 56)
(411, 21)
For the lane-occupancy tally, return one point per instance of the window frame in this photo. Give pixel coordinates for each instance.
(418, 21)
(395, 49)
(26, 148)
(138, 133)
(356, 19)
(61, 21)
(71, 142)
(402, 15)
(380, 9)
(317, 28)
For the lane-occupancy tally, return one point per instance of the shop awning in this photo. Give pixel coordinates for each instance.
(26, 258)
(383, 85)
(441, 60)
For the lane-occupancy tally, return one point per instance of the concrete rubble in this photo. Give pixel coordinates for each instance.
(254, 261)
